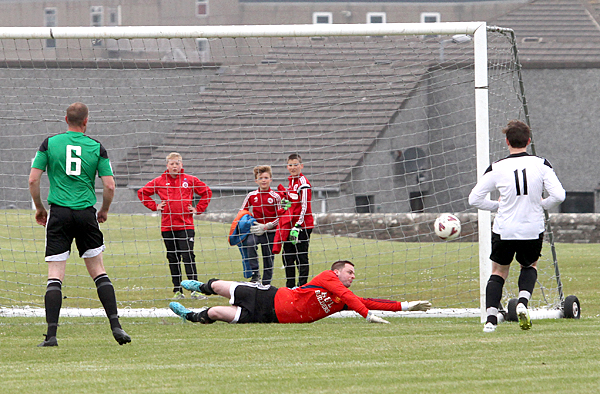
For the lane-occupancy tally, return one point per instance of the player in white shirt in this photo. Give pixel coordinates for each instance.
(518, 228)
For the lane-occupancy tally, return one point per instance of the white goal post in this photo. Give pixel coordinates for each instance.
(233, 31)
(423, 135)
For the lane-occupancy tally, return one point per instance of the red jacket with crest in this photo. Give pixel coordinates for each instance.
(178, 192)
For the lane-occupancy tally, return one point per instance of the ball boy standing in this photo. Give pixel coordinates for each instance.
(176, 190)
(295, 249)
(264, 203)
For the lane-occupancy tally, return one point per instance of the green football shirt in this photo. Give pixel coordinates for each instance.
(72, 160)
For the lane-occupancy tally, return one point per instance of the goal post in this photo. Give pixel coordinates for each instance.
(483, 154)
(234, 31)
(395, 123)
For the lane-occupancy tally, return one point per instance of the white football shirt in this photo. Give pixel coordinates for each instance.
(521, 179)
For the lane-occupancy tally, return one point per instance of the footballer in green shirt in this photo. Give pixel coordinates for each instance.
(72, 160)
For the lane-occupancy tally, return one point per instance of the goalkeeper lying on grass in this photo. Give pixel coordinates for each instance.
(326, 294)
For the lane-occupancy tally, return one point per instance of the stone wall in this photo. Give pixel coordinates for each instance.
(415, 227)
(576, 227)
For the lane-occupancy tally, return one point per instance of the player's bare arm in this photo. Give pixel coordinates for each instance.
(35, 177)
(108, 193)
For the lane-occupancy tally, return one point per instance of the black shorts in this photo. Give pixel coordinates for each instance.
(65, 224)
(255, 302)
(528, 251)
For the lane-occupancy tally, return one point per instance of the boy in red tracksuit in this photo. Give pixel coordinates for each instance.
(264, 203)
(176, 192)
(326, 294)
(295, 248)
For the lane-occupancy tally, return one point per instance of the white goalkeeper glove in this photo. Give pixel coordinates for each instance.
(258, 229)
(416, 305)
(371, 318)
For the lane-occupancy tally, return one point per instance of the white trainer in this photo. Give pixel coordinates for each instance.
(524, 319)
(489, 327)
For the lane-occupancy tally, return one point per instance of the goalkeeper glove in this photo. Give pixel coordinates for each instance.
(416, 306)
(286, 204)
(258, 229)
(294, 233)
(371, 318)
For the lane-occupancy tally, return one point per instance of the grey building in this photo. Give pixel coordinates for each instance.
(559, 44)
(243, 12)
(384, 124)
(401, 135)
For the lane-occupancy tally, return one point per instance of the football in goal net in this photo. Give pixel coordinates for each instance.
(393, 123)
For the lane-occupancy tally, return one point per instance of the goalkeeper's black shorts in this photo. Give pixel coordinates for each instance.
(255, 302)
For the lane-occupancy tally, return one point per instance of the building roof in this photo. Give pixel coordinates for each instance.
(259, 114)
(556, 33)
(298, 100)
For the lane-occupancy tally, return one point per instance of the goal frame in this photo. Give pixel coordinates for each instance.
(477, 29)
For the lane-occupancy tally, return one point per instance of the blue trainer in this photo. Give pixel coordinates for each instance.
(179, 309)
(191, 285)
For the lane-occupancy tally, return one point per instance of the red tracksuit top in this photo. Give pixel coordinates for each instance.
(300, 194)
(324, 295)
(264, 204)
(178, 192)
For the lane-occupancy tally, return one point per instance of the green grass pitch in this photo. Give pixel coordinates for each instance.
(429, 355)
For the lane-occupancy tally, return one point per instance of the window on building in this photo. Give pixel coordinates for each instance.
(201, 7)
(50, 21)
(96, 16)
(322, 17)
(96, 13)
(578, 202)
(416, 202)
(430, 17)
(413, 162)
(364, 204)
(114, 16)
(376, 17)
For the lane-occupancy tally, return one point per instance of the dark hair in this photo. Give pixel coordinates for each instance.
(295, 156)
(76, 114)
(338, 265)
(517, 133)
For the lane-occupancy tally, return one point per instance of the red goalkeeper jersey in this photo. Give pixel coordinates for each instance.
(321, 297)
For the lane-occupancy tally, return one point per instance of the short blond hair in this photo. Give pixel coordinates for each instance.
(174, 156)
(261, 170)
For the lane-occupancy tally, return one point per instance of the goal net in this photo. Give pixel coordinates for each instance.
(394, 122)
